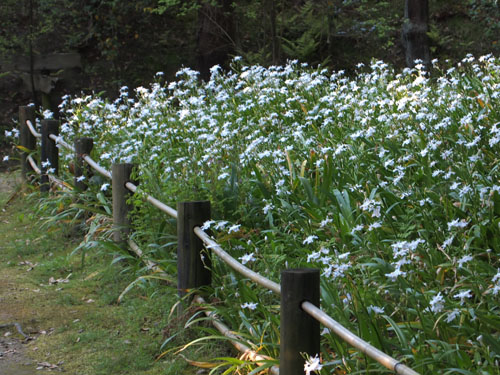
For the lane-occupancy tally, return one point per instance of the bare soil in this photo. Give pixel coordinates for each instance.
(14, 305)
(13, 359)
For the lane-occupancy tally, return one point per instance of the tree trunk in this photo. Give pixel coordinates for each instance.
(215, 35)
(415, 29)
(274, 37)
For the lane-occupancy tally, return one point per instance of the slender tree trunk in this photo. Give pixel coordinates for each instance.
(415, 29)
(215, 35)
(31, 56)
(330, 12)
(274, 37)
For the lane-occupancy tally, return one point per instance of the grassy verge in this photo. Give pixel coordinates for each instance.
(73, 311)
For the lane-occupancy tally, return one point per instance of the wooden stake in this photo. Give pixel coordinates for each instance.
(193, 263)
(49, 159)
(299, 332)
(26, 139)
(121, 209)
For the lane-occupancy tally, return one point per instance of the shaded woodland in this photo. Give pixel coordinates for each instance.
(51, 47)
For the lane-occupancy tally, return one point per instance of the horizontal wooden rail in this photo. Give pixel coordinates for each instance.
(355, 341)
(60, 141)
(52, 178)
(155, 202)
(96, 166)
(33, 130)
(234, 264)
(33, 165)
(248, 354)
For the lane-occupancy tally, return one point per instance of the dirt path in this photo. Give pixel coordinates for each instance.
(70, 309)
(13, 359)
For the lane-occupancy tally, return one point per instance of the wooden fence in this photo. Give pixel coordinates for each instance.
(300, 315)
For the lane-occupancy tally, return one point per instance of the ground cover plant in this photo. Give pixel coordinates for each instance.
(70, 309)
(386, 181)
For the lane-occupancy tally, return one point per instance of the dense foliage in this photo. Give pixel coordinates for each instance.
(387, 182)
(131, 40)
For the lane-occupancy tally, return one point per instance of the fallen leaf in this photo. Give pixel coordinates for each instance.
(92, 275)
(42, 365)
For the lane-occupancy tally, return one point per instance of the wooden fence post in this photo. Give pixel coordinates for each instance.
(83, 146)
(26, 139)
(121, 209)
(299, 332)
(193, 267)
(49, 156)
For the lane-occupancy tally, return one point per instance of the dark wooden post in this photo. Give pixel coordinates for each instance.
(83, 146)
(121, 221)
(299, 332)
(415, 29)
(26, 139)
(49, 156)
(193, 267)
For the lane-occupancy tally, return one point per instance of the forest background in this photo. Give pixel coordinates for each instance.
(101, 45)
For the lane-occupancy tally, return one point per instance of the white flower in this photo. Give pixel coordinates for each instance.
(436, 304)
(249, 305)
(234, 228)
(464, 259)
(447, 242)
(375, 309)
(247, 258)
(357, 228)
(6, 158)
(394, 275)
(312, 364)
(80, 178)
(220, 225)
(457, 224)
(376, 224)
(104, 187)
(46, 163)
(344, 256)
(452, 315)
(310, 239)
(267, 208)
(47, 114)
(206, 225)
(325, 331)
(223, 176)
(463, 295)
(325, 222)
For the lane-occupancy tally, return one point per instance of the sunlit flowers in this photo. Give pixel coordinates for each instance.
(312, 365)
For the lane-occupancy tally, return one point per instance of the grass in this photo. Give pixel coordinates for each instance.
(79, 323)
